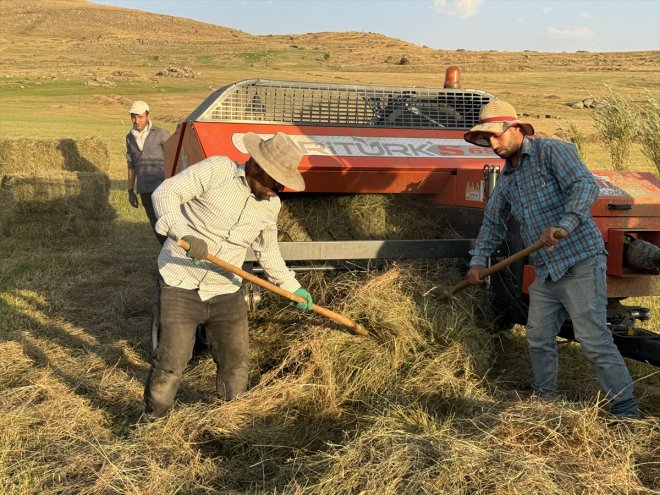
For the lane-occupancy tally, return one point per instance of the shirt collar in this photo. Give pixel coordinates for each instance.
(526, 148)
(240, 172)
(143, 132)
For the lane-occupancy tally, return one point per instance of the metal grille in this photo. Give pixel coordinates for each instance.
(298, 103)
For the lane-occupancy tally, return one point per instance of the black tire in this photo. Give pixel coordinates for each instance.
(508, 302)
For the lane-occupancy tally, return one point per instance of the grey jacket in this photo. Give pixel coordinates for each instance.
(149, 164)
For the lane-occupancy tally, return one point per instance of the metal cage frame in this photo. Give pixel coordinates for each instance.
(301, 103)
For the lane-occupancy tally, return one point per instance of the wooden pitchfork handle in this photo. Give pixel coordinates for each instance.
(347, 322)
(501, 264)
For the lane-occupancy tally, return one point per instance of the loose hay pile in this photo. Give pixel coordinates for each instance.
(52, 188)
(332, 217)
(406, 410)
(409, 409)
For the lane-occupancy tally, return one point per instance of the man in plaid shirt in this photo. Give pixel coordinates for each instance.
(546, 187)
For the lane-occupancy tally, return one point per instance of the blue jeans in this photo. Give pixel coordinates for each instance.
(581, 296)
(225, 320)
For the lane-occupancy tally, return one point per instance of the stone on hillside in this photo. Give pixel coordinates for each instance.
(176, 72)
(589, 102)
(584, 103)
(100, 81)
(124, 73)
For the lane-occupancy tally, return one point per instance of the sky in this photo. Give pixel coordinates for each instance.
(503, 25)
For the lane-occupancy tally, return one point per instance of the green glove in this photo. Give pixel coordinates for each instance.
(306, 305)
(198, 249)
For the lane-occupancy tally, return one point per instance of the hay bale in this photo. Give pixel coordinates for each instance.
(52, 226)
(82, 193)
(7, 205)
(28, 154)
(56, 203)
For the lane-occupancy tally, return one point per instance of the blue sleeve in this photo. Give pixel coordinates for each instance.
(493, 228)
(575, 180)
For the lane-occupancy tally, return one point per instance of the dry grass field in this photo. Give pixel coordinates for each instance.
(430, 402)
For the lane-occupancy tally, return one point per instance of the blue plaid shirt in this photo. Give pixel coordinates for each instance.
(550, 187)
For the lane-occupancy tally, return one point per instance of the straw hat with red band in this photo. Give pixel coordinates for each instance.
(495, 118)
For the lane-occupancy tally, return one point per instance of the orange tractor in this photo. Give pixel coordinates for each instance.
(374, 139)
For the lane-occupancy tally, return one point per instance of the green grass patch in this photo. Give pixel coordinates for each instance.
(253, 57)
(204, 59)
(40, 89)
(279, 55)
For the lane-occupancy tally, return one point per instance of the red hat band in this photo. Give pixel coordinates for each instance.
(505, 118)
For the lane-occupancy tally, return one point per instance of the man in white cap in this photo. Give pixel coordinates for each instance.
(221, 208)
(549, 191)
(145, 160)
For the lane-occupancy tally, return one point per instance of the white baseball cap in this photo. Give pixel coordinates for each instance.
(138, 107)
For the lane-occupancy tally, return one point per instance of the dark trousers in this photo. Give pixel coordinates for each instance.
(151, 215)
(225, 320)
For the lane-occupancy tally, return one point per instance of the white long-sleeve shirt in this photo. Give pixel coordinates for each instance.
(212, 200)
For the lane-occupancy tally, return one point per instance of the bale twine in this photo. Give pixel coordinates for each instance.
(29, 154)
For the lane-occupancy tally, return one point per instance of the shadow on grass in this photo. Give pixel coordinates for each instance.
(576, 380)
(81, 308)
(73, 159)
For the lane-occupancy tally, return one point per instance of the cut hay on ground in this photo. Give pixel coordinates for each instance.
(407, 410)
(28, 155)
(56, 226)
(413, 408)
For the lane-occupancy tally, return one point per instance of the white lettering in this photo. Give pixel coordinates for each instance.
(384, 146)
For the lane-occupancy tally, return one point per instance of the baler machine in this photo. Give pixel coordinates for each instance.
(408, 140)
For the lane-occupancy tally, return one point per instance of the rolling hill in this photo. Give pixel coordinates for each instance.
(67, 36)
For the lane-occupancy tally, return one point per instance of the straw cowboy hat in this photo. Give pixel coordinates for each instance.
(495, 118)
(278, 156)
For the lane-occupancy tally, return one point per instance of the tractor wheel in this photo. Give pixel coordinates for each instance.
(509, 303)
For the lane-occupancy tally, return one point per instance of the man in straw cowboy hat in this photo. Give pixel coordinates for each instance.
(549, 191)
(222, 208)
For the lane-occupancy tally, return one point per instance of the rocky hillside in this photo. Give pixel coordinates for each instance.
(72, 35)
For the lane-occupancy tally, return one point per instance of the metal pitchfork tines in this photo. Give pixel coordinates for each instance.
(498, 266)
(347, 322)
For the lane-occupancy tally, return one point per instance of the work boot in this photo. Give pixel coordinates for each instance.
(149, 417)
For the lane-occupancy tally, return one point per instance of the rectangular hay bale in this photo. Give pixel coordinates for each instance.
(55, 203)
(29, 154)
(52, 226)
(82, 193)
